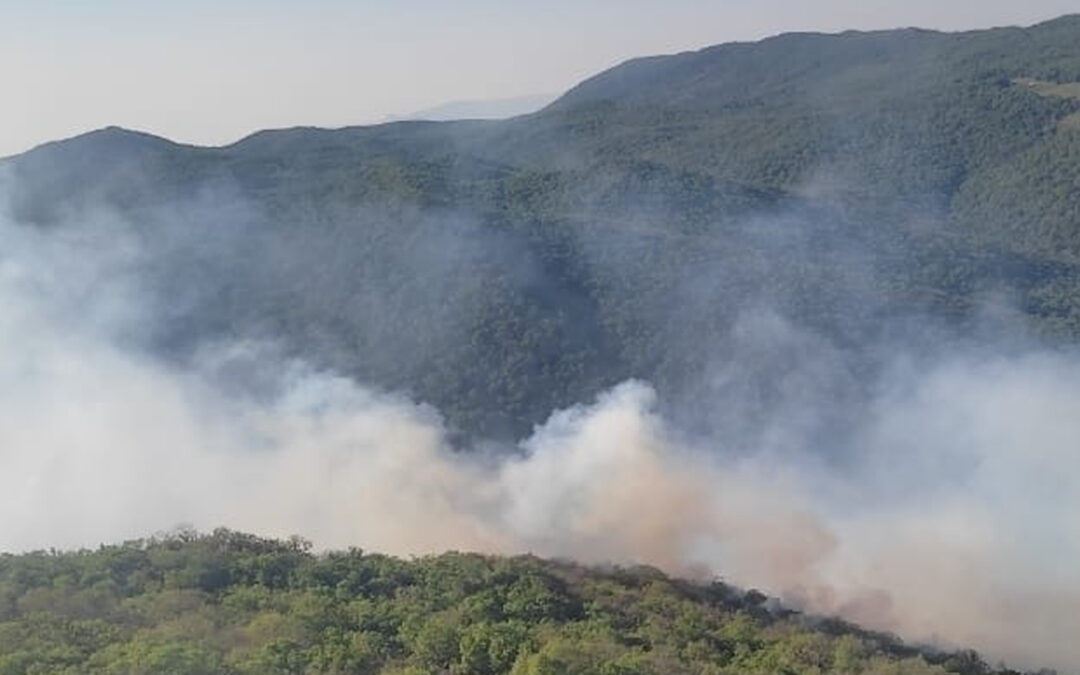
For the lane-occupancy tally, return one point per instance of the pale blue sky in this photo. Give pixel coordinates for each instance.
(210, 72)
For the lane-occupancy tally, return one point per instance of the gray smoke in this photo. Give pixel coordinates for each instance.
(954, 519)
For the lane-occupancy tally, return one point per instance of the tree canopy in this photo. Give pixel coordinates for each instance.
(228, 602)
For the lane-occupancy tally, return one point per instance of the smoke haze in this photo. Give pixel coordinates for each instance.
(949, 513)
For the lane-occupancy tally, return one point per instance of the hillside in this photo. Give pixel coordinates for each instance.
(856, 184)
(233, 603)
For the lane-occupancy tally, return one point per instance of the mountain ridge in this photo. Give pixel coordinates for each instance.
(871, 144)
(1066, 21)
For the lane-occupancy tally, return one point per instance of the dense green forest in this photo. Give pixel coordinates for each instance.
(227, 602)
(857, 184)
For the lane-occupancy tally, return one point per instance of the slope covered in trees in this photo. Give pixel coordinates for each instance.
(499, 270)
(233, 603)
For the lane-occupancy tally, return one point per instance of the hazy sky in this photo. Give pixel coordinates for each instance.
(211, 72)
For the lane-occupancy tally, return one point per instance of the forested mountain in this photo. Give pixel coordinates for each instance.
(846, 267)
(233, 603)
(854, 184)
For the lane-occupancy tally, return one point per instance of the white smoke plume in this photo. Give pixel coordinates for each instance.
(960, 523)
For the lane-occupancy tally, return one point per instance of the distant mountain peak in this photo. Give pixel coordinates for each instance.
(495, 108)
(110, 139)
